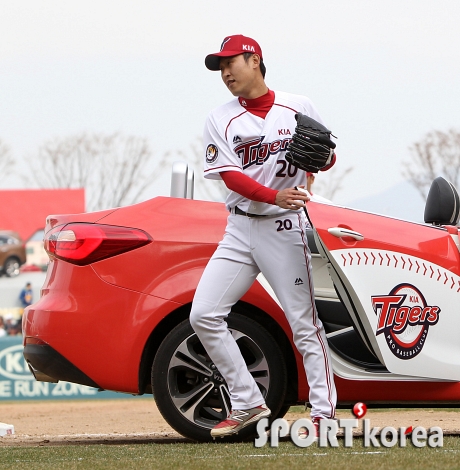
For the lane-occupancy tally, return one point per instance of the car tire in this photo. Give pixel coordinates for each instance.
(11, 267)
(282, 412)
(190, 393)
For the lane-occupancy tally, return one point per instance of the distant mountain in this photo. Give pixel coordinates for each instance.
(401, 200)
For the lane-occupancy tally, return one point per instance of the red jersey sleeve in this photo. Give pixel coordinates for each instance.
(328, 167)
(247, 187)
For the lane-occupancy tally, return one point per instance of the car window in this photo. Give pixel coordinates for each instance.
(37, 236)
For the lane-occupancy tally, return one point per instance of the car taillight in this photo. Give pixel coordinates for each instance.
(82, 244)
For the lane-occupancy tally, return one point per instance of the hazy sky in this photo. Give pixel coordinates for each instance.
(381, 73)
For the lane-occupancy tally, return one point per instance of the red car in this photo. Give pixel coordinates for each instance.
(114, 308)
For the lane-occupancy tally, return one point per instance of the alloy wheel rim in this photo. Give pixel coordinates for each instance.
(197, 389)
(12, 268)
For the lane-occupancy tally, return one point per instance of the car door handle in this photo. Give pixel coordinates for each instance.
(340, 232)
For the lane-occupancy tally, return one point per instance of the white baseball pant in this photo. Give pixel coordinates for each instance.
(277, 247)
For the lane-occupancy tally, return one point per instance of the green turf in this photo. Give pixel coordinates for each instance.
(228, 456)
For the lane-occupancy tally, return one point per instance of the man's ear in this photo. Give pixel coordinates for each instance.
(255, 60)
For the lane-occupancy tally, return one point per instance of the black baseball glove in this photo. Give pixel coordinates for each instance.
(311, 148)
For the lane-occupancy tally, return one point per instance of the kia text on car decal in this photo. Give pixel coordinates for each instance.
(404, 317)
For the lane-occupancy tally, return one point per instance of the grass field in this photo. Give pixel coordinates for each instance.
(229, 456)
(221, 455)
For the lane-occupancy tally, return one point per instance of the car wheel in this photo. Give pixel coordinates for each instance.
(189, 391)
(11, 267)
(282, 412)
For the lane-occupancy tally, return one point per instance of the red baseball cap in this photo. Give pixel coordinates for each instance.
(232, 45)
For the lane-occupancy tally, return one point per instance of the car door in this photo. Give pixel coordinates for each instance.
(400, 283)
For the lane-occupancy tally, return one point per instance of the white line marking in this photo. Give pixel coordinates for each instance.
(106, 435)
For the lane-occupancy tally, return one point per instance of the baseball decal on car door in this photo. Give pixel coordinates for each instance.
(404, 318)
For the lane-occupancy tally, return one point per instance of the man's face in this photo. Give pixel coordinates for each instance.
(238, 75)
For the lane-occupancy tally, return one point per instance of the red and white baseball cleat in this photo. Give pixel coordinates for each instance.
(238, 419)
(304, 434)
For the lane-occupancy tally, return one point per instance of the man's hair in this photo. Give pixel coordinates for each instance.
(263, 69)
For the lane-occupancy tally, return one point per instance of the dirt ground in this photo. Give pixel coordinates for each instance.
(138, 420)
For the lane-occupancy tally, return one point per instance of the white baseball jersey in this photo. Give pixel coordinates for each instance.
(237, 140)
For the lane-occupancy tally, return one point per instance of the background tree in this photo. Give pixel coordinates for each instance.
(6, 161)
(436, 154)
(327, 184)
(114, 169)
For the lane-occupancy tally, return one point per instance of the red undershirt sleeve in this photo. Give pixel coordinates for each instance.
(333, 160)
(247, 187)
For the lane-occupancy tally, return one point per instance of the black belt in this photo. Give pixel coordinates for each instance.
(238, 211)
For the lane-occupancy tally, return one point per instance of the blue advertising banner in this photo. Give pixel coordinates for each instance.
(18, 383)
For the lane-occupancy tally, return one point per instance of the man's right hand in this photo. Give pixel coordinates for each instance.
(291, 198)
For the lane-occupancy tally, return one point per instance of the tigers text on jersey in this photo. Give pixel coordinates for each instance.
(236, 140)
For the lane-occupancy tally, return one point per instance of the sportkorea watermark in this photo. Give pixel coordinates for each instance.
(303, 433)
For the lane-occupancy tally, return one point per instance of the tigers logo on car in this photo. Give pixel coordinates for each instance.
(404, 318)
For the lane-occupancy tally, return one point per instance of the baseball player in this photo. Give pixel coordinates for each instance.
(246, 142)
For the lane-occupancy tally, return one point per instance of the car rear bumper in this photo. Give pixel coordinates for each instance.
(46, 363)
